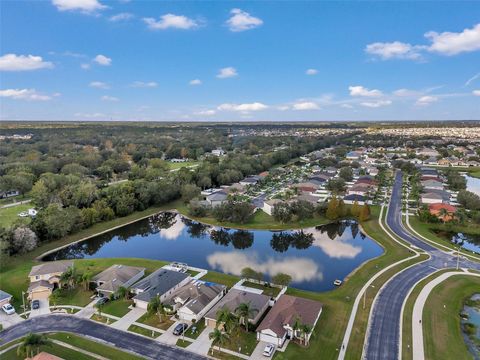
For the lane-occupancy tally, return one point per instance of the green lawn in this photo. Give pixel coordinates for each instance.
(117, 307)
(441, 321)
(174, 166)
(267, 290)
(242, 341)
(200, 325)
(217, 354)
(10, 215)
(103, 319)
(142, 331)
(182, 343)
(77, 296)
(55, 349)
(154, 320)
(220, 278)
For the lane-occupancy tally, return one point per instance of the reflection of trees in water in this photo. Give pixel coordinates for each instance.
(355, 229)
(195, 229)
(281, 241)
(242, 239)
(337, 229)
(141, 228)
(79, 250)
(220, 237)
(163, 220)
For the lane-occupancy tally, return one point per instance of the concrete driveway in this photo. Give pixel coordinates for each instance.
(167, 337)
(258, 352)
(9, 320)
(202, 344)
(129, 318)
(44, 309)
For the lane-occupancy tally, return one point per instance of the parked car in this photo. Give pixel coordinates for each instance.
(268, 351)
(8, 309)
(35, 304)
(102, 300)
(180, 328)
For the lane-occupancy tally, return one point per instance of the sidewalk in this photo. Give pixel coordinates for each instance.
(128, 319)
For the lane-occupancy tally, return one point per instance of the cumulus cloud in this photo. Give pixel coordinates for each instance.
(364, 92)
(208, 112)
(99, 85)
(242, 20)
(426, 100)
(305, 105)
(13, 62)
(174, 231)
(195, 82)
(311, 72)
(227, 72)
(406, 93)
(256, 106)
(376, 104)
(87, 6)
(102, 60)
(109, 98)
(392, 50)
(25, 94)
(300, 269)
(476, 92)
(121, 17)
(142, 84)
(171, 21)
(452, 43)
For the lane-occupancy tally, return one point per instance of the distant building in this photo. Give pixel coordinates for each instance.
(353, 155)
(218, 152)
(217, 198)
(269, 205)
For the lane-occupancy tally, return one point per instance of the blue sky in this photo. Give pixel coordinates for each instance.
(233, 61)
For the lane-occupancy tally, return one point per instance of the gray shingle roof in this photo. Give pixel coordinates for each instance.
(158, 283)
(4, 295)
(51, 267)
(115, 276)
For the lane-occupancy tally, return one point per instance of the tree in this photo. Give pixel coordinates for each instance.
(248, 273)
(282, 212)
(346, 173)
(155, 306)
(31, 345)
(364, 213)
(306, 330)
(244, 311)
(189, 192)
(123, 292)
(332, 209)
(68, 277)
(336, 185)
(282, 279)
(303, 209)
(218, 338)
(86, 278)
(55, 297)
(226, 319)
(355, 210)
(24, 240)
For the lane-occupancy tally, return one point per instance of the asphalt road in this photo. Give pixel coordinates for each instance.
(122, 340)
(384, 329)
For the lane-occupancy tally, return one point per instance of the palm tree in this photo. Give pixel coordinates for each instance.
(31, 343)
(86, 277)
(245, 311)
(68, 277)
(225, 318)
(156, 306)
(296, 326)
(218, 338)
(306, 329)
(55, 296)
(443, 213)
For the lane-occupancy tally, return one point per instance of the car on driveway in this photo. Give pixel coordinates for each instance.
(180, 329)
(268, 351)
(35, 304)
(102, 301)
(8, 309)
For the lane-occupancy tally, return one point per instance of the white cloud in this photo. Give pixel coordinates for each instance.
(168, 21)
(476, 92)
(426, 100)
(392, 50)
(102, 60)
(305, 105)
(376, 104)
(256, 106)
(242, 20)
(13, 62)
(364, 92)
(87, 6)
(25, 94)
(109, 98)
(208, 112)
(142, 84)
(85, 66)
(311, 72)
(99, 85)
(346, 106)
(472, 79)
(121, 17)
(406, 93)
(227, 72)
(451, 43)
(195, 82)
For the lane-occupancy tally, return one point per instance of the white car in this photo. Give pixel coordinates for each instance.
(9, 309)
(268, 351)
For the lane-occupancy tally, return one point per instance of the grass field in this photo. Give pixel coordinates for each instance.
(117, 307)
(267, 290)
(143, 331)
(174, 166)
(154, 320)
(10, 215)
(441, 321)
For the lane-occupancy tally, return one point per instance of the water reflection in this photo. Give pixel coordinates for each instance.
(314, 257)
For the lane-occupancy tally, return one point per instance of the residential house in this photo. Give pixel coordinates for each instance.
(444, 212)
(308, 198)
(217, 198)
(110, 280)
(257, 302)
(351, 198)
(431, 161)
(269, 205)
(193, 300)
(372, 170)
(161, 283)
(360, 189)
(44, 278)
(435, 197)
(4, 298)
(278, 324)
(353, 155)
(236, 187)
(428, 152)
(218, 152)
(432, 184)
(250, 180)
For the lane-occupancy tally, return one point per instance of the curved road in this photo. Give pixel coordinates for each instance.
(122, 340)
(383, 342)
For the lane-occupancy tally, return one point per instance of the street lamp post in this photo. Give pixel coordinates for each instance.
(23, 301)
(458, 257)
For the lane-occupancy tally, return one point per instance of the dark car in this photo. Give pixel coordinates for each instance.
(35, 304)
(102, 301)
(180, 328)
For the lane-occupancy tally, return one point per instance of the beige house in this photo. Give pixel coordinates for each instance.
(116, 276)
(4, 298)
(45, 278)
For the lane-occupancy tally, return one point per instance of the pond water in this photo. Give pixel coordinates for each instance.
(473, 184)
(473, 314)
(467, 241)
(314, 257)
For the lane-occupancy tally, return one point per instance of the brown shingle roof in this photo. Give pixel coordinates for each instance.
(286, 311)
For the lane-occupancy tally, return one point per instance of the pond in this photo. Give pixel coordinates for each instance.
(467, 241)
(471, 325)
(314, 257)
(473, 184)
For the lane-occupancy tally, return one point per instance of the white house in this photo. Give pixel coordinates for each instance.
(218, 152)
(269, 205)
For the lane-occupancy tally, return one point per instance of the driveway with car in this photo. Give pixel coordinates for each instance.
(43, 309)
